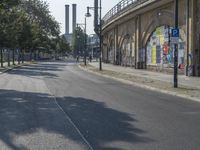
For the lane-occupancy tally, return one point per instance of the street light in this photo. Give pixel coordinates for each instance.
(88, 14)
(78, 51)
(98, 27)
(85, 44)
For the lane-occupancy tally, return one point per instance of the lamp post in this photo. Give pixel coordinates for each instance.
(187, 32)
(85, 44)
(1, 58)
(100, 40)
(78, 40)
(98, 27)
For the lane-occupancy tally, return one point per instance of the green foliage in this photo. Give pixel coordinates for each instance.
(74, 40)
(8, 3)
(63, 45)
(27, 25)
(78, 41)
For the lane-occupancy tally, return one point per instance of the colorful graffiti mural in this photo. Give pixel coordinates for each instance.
(160, 51)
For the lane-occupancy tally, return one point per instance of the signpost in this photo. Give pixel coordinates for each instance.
(175, 34)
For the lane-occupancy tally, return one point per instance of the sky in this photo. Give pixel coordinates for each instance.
(57, 8)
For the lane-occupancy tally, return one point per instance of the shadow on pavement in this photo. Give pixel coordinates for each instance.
(41, 69)
(24, 113)
(102, 125)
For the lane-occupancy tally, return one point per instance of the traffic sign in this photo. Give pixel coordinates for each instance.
(175, 32)
(175, 36)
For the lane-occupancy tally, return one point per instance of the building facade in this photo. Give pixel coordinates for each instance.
(93, 45)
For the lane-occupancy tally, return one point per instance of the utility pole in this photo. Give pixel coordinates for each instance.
(176, 48)
(187, 30)
(97, 26)
(100, 40)
(1, 58)
(85, 44)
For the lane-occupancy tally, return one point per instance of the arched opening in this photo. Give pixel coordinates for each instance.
(126, 51)
(160, 50)
(110, 54)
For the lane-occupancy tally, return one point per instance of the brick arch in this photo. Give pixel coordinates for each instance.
(123, 38)
(110, 39)
(166, 18)
(122, 52)
(109, 48)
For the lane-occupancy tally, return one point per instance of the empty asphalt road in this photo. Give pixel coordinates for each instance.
(57, 106)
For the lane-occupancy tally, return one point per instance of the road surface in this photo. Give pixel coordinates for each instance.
(57, 106)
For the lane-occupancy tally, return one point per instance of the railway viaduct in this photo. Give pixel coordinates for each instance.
(137, 33)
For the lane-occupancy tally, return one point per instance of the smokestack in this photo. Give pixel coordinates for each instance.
(66, 19)
(96, 16)
(73, 17)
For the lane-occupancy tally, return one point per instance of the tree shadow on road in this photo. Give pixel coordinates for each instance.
(102, 125)
(22, 114)
(47, 69)
(39, 70)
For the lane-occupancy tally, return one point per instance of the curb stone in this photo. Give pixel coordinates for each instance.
(143, 86)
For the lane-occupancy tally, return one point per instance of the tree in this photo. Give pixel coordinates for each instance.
(63, 45)
(78, 41)
(26, 25)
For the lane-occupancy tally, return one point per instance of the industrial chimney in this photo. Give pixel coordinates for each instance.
(66, 19)
(73, 17)
(96, 15)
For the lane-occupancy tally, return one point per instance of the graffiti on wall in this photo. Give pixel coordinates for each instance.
(126, 53)
(160, 51)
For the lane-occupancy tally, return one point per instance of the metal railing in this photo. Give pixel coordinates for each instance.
(120, 8)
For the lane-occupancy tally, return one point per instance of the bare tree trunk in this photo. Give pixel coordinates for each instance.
(19, 56)
(31, 52)
(23, 56)
(1, 58)
(8, 57)
(13, 56)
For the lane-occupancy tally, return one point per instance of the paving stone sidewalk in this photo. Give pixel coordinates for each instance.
(189, 87)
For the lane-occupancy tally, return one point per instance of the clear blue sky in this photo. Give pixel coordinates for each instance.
(57, 8)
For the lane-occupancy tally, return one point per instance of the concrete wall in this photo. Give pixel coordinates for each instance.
(125, 38)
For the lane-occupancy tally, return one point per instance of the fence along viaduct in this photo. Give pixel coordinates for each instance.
(137, 33)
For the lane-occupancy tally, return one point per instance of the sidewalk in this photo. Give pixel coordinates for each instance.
(189, 87)
(5, 66)
(193, 82)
